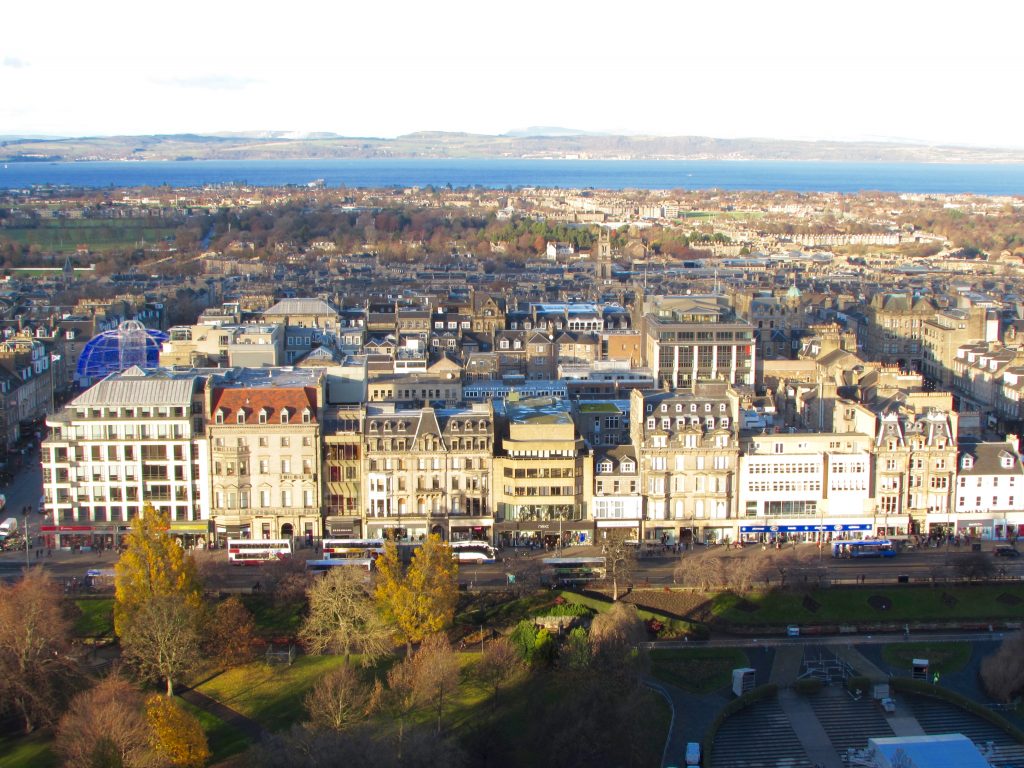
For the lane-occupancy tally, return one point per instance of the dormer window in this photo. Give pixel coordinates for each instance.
(693, 407)
(306, 416)
(650, 423)
(679, 407)
(707, 407)
(482, 426)
(240, 418)
(664, 407)
(218, 417)
(604, 467)
(627, 466)
(967, 462)
(721, 407)
(284, 416)
(1006, 460)
(262, 416)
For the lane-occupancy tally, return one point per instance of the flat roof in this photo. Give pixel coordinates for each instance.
(947, 750)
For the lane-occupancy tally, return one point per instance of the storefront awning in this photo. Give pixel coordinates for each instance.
(192, 526)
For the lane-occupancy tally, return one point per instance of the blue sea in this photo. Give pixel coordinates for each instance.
(1005, 179)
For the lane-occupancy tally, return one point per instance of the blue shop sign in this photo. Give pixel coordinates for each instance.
(812, 528)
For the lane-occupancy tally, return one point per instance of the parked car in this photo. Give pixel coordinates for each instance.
(1005, 550)
(693, 753)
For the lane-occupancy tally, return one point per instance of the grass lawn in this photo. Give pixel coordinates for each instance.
(224, 740)
(674, 627)
(851, 605)
(272, 695)
(697, 670)
(273, 620)
(96, 618)
(942, 657)
(98, 235)
(32, 751)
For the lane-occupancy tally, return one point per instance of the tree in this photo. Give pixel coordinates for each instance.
(1002, 672)
(153, 564)
(577, 652)
(421, 601)
(38, 668)
(231, 633)
(435, 673)
(499, 662)
(176, 735)
(338, 699)
(105, 726)
(619, 554)
(163, 638)
(398, 699)
(343, 617)
(614, 635)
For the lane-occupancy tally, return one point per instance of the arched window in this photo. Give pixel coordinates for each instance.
(240, 418)
(262, 417)
(284, 416)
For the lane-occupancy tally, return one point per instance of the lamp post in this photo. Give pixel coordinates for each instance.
(25, 510)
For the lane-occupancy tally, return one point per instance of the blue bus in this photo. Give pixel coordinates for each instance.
(864, 548)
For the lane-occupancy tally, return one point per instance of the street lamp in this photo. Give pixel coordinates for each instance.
(25, 510)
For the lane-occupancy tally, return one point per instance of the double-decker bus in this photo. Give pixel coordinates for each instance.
(572, 571)
(864, 548)
(361, 552)
(473, 552)
(256, 551)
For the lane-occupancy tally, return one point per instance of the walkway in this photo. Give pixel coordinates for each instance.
(250, 728)
(808, 729)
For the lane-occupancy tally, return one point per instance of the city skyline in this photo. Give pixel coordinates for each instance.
(910, 74)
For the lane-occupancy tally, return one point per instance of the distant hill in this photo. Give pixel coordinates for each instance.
(535, 142)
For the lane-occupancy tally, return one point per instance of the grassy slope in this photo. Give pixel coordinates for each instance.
(839, 606)
(32, 751)
(697, 670)
(942, 657)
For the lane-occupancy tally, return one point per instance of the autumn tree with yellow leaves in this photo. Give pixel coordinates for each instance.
(176, 735)
(418, 601)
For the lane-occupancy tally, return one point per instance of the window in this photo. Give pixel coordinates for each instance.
(240, 418)
(284, 416)
(286, 466)
(306, 416)
(264, 442)
(218, 417)
(263, 416)
(285, 442)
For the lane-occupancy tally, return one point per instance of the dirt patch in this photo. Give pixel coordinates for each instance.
(880, 602)
(948, 600)
(1007, 599)
(810, 604)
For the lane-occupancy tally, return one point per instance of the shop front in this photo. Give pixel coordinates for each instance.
(407, 530)
(785, 532)
(471, 529)
(193, 534)
(548, 534)
(630, 529)
(343, 527)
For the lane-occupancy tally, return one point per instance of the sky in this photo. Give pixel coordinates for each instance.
(903, 70)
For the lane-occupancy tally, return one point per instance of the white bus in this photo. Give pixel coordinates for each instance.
(361, 552)
(473, 552)
(256, 551)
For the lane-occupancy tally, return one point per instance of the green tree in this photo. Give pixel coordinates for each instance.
(153, 565)
(343, 617)
(419, 601)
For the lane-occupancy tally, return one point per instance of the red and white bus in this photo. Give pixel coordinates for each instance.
(257, 551)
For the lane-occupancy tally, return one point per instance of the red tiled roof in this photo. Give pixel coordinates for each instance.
(295, 399)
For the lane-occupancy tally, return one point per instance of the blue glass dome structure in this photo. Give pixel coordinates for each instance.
(131, 343)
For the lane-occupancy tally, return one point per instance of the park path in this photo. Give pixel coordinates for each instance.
(245, 725)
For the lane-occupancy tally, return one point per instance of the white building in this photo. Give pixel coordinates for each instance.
(134, 438)
(989, 498)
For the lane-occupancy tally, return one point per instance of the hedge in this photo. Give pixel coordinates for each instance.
(734, 706)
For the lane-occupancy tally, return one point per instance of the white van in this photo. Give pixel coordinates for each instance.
(8, 526)
(693, 753)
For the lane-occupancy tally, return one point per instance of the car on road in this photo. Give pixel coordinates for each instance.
(1005, 550)
(792, 631)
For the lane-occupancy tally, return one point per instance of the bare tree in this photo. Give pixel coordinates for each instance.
(338, 699)
(344, 618)
(38, 668)
(1002, 673)
(436, 673)
(615, 633)
(162, 639)
(619, 555)
(499, 663)
(105, 725)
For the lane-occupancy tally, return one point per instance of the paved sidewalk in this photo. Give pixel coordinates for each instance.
(250, 728)
(786, 667)
(808, 730)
